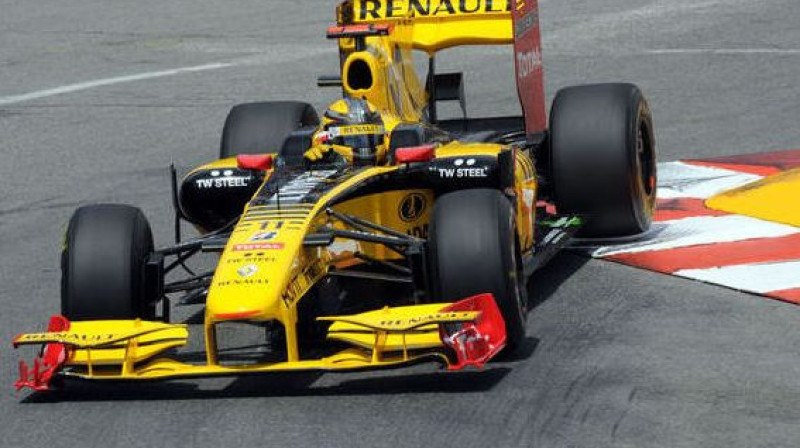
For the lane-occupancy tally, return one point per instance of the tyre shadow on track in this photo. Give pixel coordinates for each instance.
(545, 282)
(542, 286)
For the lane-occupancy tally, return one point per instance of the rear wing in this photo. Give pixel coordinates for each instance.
(436, 25)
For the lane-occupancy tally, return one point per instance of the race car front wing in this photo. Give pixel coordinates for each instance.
(458, 335)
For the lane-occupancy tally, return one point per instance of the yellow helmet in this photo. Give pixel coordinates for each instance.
(356, 124)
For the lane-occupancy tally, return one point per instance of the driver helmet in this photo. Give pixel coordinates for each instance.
(356, 124)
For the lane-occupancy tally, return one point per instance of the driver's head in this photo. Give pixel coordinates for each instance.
(356, 124)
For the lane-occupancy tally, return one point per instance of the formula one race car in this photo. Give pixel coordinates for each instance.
(375, 236)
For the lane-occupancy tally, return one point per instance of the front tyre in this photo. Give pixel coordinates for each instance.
(474, 251)
(103, 264)
(603, 158)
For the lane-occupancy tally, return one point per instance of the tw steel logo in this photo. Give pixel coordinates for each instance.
(387, 9)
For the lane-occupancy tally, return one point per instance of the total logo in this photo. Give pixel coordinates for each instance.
(247, 271)
(257, 247)
(222, 179)
(528, 63)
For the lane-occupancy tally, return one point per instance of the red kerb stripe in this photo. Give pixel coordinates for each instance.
(754, 163)
(789, 295)
(708, 256)
(679, 208)
(758, 170)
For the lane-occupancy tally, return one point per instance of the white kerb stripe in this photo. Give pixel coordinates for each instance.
(107, 82)
(759, 278)
(702, 230)
(682, 180)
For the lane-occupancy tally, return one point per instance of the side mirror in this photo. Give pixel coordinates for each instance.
(413, 154)
(254, 162)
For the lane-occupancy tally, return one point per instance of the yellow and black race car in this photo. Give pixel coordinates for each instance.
(376, 235)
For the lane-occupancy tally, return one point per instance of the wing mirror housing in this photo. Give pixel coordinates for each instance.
(254, 162)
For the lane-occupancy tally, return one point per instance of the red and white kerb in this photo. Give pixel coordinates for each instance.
(693, 241)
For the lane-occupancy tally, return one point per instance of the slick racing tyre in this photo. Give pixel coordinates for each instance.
(603, 158)
(103, 264)
(474, 251)
(261, 128)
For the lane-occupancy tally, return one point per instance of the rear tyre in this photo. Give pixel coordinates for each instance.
(603, 158)
(103, 264)
(261, 128)
(474, 251)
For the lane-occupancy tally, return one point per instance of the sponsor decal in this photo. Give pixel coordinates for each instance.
(303, 282)
(429, 318)
(67, 338)
(264, 236)
(528, 62)
(362, 129)
(247, 271)
(243, 282)
(412, 207)
(387, 9)
(222, 179)
(528, 22)
(257, 246)
(250, 258)
(464, 169)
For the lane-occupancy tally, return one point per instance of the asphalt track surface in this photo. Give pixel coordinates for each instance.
(616, 356)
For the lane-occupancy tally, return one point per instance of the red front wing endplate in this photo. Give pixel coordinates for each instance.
(48, 363)
(475, 343)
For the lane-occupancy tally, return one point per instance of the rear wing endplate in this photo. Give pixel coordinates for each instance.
(528, 63)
